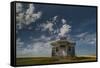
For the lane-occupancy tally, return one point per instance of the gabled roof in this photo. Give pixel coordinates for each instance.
(62, 42)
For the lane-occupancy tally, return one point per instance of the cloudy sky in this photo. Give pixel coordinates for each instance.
(37, 25)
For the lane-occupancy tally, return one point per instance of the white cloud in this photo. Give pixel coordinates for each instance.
(55, 18)
(92, 42)
(20, 20)
(88, 39)
(63, 21)
(64, 29)
(39, 47)
(27, 16)
(82, 34)
(19, 43)
(30, 10)
(42, 38)
(19, 46)
(48, 26)
(91, 39)
(18, 7)
(36, 49)
(32, 18)
(70, 39)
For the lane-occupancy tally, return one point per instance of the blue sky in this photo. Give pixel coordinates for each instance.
(37, 25)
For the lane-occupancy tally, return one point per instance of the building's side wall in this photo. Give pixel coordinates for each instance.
(71, 51)
(62, 49)
(53, 51)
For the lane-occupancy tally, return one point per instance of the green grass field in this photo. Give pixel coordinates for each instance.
(51, 60)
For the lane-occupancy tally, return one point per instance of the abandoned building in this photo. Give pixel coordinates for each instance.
(63, 48)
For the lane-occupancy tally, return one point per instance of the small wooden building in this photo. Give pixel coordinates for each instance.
(63, 48)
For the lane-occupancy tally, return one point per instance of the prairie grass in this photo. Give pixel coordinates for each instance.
(52, 60)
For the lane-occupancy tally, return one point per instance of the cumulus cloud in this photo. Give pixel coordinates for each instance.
(30, 10)
(87, 38)
(19, 43)
(63, 21)
(52, 27)
(35, 49)
(19, 46)
(20, 20)
(64, 29)
(18, 7)
(91, 39)
(42, 38)
(32, 18)
(48, 26)
(26, 17)
(41, 46)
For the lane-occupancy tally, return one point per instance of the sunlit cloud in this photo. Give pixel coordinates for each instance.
(64, 29)
(26, 17)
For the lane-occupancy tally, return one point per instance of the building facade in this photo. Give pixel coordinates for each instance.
(63, 48)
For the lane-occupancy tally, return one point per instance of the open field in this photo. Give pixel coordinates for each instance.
(51, 60)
